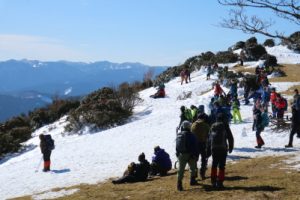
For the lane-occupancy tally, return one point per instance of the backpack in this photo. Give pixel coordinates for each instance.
(188, 114)
(286, 104)
(49, 142)
(297, 103)
(200, 129)
(181, 143)
(265, 120)
(218, 136)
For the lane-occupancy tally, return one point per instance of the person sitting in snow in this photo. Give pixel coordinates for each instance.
(161, 162)
(160, 92)
(218, 91)
(135, 172)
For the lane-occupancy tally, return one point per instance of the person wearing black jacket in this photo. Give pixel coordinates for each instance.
(46, 151)
(220, 142)
(136, 172)
(295, 126)
(187, 153)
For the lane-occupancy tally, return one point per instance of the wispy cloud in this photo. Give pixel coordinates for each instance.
(36, 47)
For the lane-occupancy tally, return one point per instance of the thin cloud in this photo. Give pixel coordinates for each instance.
(36, 47)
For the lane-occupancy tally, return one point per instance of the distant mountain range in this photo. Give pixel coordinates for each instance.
(27, 84)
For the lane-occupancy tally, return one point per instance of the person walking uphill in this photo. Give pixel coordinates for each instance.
(186, 152)
(219, 135)
(46, 145)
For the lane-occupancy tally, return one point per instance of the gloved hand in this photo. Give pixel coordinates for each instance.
(229, 150)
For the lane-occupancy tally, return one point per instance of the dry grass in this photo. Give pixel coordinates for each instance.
(260, 178)
(292, 72)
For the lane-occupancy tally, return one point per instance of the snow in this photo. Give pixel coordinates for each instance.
(284, 55)
(96, 157)
(68, 91)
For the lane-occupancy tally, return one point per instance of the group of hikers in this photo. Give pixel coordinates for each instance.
(185, 76)
(200, 136)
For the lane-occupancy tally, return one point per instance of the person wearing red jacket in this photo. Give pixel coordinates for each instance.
(280, 106)
(217, 89)
(273, 97)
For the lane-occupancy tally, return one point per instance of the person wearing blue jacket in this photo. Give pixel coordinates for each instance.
(161, 162)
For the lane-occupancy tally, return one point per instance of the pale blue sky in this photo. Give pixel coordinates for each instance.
(154, 32)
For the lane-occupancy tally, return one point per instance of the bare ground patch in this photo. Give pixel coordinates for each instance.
(259, 178)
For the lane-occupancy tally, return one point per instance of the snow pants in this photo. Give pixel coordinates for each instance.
(218, 161)
(183, 159)
(236, 115)
(203, 154)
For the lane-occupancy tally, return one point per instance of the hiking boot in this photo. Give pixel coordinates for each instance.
(288, 146)
(179, 186)
(202, 174)
(258, 147)
(193, 181)
(220, 184)
(214, 182)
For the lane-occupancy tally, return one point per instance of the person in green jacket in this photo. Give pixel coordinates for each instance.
(236, 110)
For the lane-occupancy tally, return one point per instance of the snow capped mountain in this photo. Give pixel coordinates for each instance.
(57, 77)
(60, 78)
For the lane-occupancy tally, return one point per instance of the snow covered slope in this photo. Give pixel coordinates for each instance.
(95, 157)
(284, 55)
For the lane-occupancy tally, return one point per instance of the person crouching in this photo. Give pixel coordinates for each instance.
(161, 162)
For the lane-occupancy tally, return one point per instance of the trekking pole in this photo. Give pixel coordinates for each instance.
(38, 166)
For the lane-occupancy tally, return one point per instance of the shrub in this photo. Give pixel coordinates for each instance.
(238, 45)
(251, 42)
(255, 52)
(270, 60)
(225, 57)
(104, 108)
(269, 43)
(293, 41)
(21, 134)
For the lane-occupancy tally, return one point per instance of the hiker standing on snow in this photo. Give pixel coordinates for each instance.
(295, 126)
(46, 145)
(236, 110)
(187, 153)
(220, 142)
(259, 126)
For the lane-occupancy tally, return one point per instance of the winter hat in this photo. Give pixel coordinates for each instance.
(157, 148)
(141, 157)
(186, 125)
(201, 109)
(182, 108)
